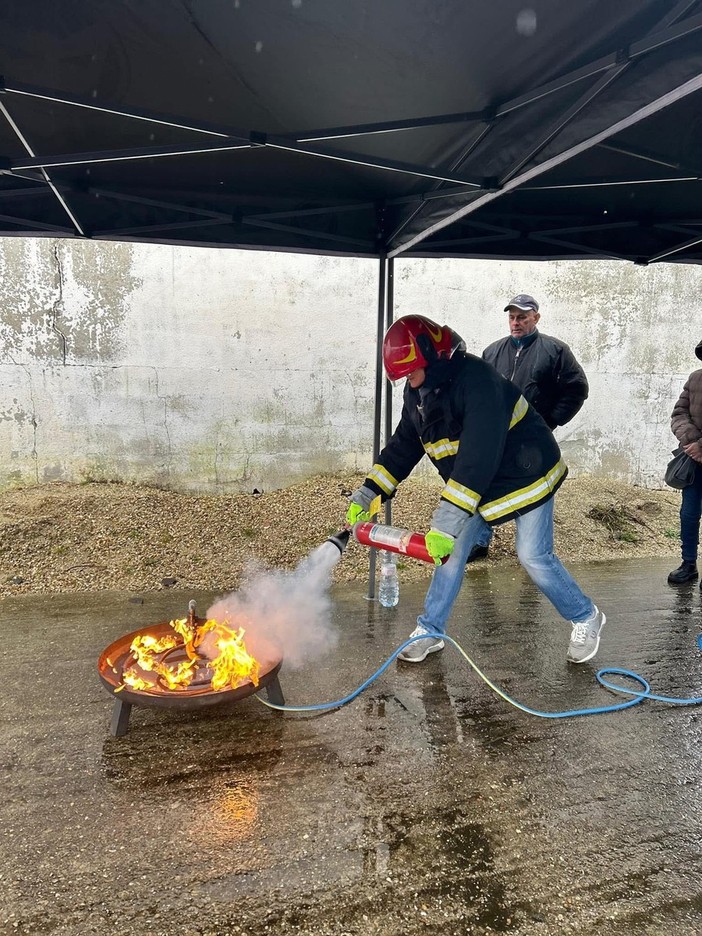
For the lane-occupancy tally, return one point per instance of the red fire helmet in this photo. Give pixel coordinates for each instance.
(408, 345)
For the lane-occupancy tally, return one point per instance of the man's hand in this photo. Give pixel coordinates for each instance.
(439, 545)
(360, 507)
(694, 450)
(356, 513)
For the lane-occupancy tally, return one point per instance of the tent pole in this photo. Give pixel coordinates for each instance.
(389, 306)
(382, 299)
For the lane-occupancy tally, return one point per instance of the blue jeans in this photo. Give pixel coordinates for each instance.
(690, 513)
(535, 551)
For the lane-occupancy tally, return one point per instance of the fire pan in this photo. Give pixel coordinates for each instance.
(115, 658)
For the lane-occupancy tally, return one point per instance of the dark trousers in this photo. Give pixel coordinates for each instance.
(690, 513)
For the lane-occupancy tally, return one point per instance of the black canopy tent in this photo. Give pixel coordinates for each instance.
(534, 129)
(357, 127)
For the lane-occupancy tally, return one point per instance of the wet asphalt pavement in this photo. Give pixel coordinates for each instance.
(426, 806)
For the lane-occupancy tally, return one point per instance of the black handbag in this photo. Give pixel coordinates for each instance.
(680, 471)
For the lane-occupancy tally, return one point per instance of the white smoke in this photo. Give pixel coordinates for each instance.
(289, 609)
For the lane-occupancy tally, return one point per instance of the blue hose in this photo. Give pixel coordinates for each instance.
(637, 695)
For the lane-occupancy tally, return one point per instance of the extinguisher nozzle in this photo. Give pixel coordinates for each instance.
(340, 540)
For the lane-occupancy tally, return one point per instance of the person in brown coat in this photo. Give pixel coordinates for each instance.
(686, 423)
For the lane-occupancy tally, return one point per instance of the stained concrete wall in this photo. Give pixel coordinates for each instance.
(215, 370)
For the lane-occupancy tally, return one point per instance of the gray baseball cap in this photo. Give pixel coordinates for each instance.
(524, 302)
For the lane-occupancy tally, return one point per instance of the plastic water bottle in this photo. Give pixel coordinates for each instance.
(389, 590)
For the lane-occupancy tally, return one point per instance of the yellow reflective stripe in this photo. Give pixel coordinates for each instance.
(441, 449)
(517, 500)
(519, 411)
(383, 479)
(461, 496)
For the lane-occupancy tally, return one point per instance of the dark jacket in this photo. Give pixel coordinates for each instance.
(546, 372)
(492, 449)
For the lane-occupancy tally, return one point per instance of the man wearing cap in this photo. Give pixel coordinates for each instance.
(544, 369)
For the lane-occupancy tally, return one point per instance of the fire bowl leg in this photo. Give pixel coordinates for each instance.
(120, 718)
(274, 692)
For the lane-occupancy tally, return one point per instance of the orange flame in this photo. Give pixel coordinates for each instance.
(212, 646)
(234, 665)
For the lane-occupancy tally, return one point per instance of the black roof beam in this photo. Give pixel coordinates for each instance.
(682, 227)
(155, 203)
(577, 248)
(387, 126)
(676, 249)
(640, 154)
(167, 120)
(41, 189)
(478, 239)
(139, 152)
(586, 228)
(32, 224)
(430, 195)
(368, 162)
(677, 13)
(311, 212)
(25, 143)
(23, 192)
(608, 183)
(491, 228)
(302, 232)
(155, 228)
(658, 37)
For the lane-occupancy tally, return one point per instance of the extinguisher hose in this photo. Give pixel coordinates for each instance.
(603, 677)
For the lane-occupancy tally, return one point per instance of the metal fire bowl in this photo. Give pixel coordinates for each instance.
(192, 697)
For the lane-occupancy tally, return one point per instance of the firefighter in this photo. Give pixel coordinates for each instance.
(499, 462)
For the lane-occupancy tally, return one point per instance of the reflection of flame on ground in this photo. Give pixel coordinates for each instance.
(195, 654)
(230, 815)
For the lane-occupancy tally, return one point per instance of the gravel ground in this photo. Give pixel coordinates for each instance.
(90, 537)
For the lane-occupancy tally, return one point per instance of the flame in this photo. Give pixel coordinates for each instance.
(131, 678)
(212, 647)
(234, 665)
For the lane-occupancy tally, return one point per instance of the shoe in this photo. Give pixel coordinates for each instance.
(420, 649)
(585, 638)
(685, 572)
(477, 552)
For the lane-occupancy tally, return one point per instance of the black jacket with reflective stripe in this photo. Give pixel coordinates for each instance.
(493, 450)
(546, 372)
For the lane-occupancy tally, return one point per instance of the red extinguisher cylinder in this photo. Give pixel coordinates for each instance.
(394, 539)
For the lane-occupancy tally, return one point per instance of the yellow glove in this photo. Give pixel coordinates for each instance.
(439, 545)
(356, 513)
(365, 503)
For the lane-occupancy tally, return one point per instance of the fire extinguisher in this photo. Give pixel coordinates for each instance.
(394, 539)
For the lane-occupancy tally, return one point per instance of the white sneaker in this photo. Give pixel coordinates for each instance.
(420, 649)
(585, 638)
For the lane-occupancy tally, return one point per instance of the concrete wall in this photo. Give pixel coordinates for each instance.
(215, 370)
